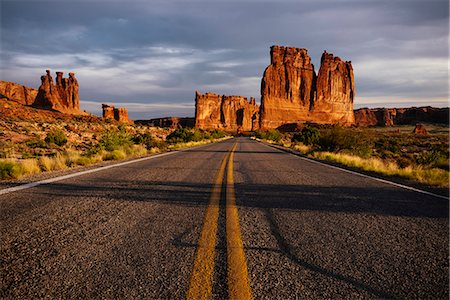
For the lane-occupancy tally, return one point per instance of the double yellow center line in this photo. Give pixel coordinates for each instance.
(201, 281)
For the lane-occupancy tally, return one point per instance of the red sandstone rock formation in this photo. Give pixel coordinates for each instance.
(420, 129)
(107, 111)
(335, 92)
(17, 92)
(118, 114)
(229, 113)
(287, 87)
(365, 117)
(62, 96)
(291, 92)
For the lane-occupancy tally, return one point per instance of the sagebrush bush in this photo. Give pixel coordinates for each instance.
(115, 139)
(9, 170)
(185, 135)
(307, 136)
(271, 135)
(56, 137)
(115, 155)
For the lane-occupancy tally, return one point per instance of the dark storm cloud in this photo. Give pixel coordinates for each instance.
(162, 51)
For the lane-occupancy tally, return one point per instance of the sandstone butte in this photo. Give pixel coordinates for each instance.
(118, 114)
(291, 93)
(229, 113)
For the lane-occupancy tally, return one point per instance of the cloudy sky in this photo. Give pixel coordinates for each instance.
(151, 56)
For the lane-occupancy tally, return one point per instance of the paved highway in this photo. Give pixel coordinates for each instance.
(236, 219)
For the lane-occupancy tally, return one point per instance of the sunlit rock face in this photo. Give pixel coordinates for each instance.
(230, 113)
(292, 93)
(17, 92)
(118, 114)
(61, 95)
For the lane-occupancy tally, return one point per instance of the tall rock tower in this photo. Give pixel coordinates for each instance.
(292, 93)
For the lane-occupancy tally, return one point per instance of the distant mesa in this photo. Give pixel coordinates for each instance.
(365, 117)
(169, 122)
(291, 93)
(118, 114)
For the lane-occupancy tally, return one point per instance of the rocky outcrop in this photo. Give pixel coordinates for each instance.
(61, 95)
(292, 93)
(230, 113)
(420, 129)
(366, 117)
(118, 114)
(17, 92)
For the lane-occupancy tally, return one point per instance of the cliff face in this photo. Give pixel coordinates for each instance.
(335, 88)
(229, 113)
(365, 117)
(17, 92)
(62, 96)
(291, 92)
(287, 87)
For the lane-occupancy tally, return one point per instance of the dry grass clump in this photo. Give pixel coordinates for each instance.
(434, 176)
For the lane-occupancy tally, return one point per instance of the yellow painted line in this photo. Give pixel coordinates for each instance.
(201, 281)
(238, 282)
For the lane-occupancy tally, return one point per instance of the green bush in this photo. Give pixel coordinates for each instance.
(145, 139)
(9, 170)
(433, 158)
(218, 134)
(36, 143)
(185, 135)
(115, 155)
(347, 140)
(308, 136)
(113, 140)
(56, 137)
(271, 135)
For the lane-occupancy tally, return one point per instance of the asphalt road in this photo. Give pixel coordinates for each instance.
(304, 230)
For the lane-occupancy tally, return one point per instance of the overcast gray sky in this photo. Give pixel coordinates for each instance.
(151, 56)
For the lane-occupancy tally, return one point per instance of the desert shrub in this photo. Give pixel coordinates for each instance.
(308, 136)
(434, 158)
(388, 144)
(57, 162)
(218, 134)
(115, 155)
(136, 150)
(145, 139)
(56, 137)
(30, 166)
(36, 143)
(114, 139)
(84, 161)
(181, 135)
(10, 170)
(337, 138)
(271, 135)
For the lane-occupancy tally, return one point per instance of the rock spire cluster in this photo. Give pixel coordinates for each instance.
(291, 92)
(61, 95)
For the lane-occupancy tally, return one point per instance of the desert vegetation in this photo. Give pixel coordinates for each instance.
(30, 147)
(392, 151)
